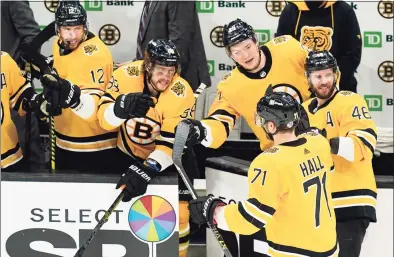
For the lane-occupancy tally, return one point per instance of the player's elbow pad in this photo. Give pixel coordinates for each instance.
(343, 146)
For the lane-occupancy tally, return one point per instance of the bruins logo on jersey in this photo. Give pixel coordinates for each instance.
(346, 93)
(90, 49)
(321, 36)
(133, 71)
(179, 89)
(272, 150)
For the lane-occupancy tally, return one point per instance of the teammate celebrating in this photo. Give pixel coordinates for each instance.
(147, 99)
(279, 62)
(291, 199)
(16, 93)
(84, 66)
(344, 117)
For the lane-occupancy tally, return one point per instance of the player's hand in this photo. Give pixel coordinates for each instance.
(136, 180)
(133, 105)
(202, 209)
(69, 94)
(197, 132)
(28, 65)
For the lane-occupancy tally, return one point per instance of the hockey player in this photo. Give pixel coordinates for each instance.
(146, 100)
(84, 66)
(347, 124)
(291, 199)
(279, 62)
(18, 94)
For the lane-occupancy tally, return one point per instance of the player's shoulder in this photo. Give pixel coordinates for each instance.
(132, 69)
(344, 98)
(95, 48)
(7, 63)
(5, 57)
(281, 42)
(229, 80)
(179, 90)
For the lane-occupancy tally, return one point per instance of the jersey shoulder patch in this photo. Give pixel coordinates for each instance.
(280, 39)
(90, 49)
(272, 150)
(178, 89)
(132, 70)
(346, 93)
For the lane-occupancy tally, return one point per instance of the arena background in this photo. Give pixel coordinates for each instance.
(116, 22)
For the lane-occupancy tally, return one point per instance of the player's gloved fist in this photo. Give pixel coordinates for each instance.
(132, 105)
(197, 132)
(136, 180)
(202, 209)
(69, 94)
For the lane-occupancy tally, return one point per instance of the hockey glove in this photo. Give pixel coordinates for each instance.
(136, 179)
(197, 132)
(133, 105)
(203, 208)
(69, 94)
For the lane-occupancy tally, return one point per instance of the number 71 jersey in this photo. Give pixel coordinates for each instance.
(290, 196)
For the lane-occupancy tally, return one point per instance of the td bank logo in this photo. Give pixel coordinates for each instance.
(263, 35)
(94, 5)
(209, 6)
(374, 102)
(375, 39)
(211, 67)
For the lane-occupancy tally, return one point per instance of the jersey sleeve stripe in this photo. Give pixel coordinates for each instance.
(225, 113)
(26, 94)
(250, 217)
(367, 136)
(164, 143)
(356, 192)
(10, 152)
(225, 124)
(267, 210)
(332, 168)
(104, 102)
(167, 134)
(21, 89)
(109, 96)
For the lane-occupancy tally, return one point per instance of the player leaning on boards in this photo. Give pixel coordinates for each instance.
(291, 199)
(84, 66)
(347, 124)
(145, 100)
(279, 62)
(18, 94)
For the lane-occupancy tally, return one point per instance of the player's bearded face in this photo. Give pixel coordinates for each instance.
(162, 77)
(322, 83)
(71, 35)
(246, 54)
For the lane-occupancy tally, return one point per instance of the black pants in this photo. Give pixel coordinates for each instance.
(350, 236)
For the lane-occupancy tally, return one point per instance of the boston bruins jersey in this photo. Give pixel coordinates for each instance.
(291, 199)
(239, 92)
(152, 136)
(346, 116)
(90, 68)
(14, 88)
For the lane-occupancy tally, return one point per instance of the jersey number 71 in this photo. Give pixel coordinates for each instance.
(319, 184)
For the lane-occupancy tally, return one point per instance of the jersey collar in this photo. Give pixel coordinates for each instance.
(263, 73)
(312, 107)
(298, 142)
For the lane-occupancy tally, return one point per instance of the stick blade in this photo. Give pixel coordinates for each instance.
(181, 134)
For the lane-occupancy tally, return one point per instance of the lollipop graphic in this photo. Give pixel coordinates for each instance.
(152, 219)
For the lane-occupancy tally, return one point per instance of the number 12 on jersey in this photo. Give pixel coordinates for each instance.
(319, 185)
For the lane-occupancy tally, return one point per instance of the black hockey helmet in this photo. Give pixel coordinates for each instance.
(70, 13)
(280, 108)
(320, 60)
(163, 52)
(237, 31)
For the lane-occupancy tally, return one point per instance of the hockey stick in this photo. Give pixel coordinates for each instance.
(103, 220)
(179, 144)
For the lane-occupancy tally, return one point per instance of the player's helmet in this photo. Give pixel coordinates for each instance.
(237, 31)
(163, 52)
(320, 60)
(70, 13)
(280, 108)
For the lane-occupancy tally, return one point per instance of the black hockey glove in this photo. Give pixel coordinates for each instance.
(132, 105)
(136, 179)
(334, 143)
(203, 208)
(197, 132)
(29, 65)
(69, 94)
